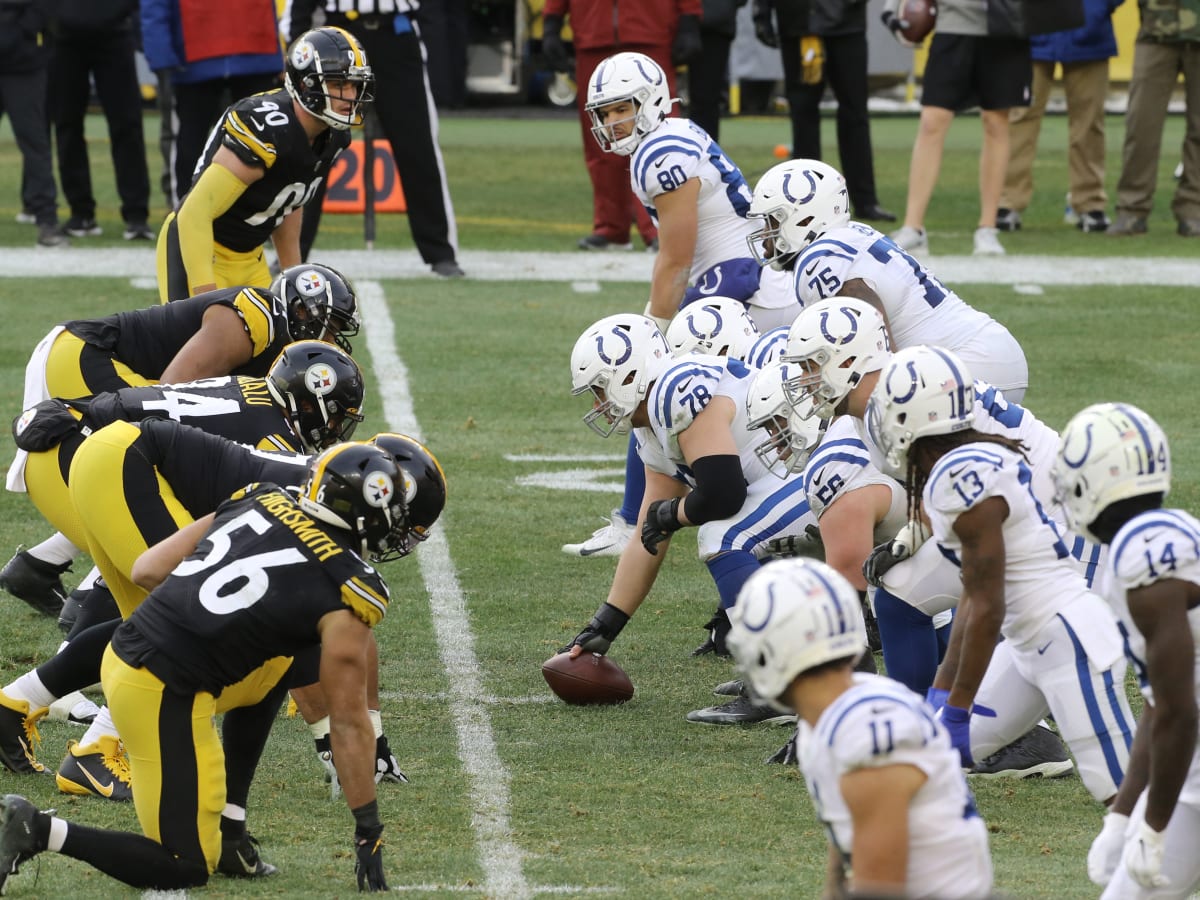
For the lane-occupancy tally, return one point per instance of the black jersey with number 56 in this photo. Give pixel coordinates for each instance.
(255, 588)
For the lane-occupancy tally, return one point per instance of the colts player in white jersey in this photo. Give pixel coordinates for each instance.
(807, 230)
(698, 199)
(688, 417)
(1114, 468)
(879, 766)
(1062, 651)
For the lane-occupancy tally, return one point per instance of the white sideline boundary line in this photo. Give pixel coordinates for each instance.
(578, 267)
(499, 856)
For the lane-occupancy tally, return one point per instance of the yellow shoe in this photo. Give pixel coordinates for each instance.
(100, 768)
(19, 736)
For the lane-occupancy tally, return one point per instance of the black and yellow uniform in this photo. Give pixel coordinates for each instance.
(134, 484)
(134, 347)
(263, 132)
(254, 591)
(238, 408)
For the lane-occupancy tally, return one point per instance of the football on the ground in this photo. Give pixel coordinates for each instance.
(921, 16)
(587, 680)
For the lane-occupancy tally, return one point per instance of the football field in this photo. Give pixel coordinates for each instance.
(514, 794)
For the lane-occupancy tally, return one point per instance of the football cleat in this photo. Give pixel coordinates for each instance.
(240, 859)
(730, 689)
(610, 540)
(69, 614)
(35, 582)
(22, 834)
(1039, 753)
(740, 711)
(100, 769)
(19, 736)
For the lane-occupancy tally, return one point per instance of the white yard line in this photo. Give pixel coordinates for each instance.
(578, 267)
(499, 856)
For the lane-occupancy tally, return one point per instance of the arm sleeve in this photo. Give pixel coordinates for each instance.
(214, 192)
(720, 489)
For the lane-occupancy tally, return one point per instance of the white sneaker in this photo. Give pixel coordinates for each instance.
(607, 541)
(914, 240)
(986, 243)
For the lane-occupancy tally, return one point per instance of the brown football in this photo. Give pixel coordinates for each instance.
(921, 16)
(587, 680)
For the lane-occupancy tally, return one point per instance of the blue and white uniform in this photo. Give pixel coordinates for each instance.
(768, 348)
(926, 580)
(673, 154)
(842, 464)
(1160, 544)
(773, 508)
(1063, 651)
(878, 723)
(920, 309)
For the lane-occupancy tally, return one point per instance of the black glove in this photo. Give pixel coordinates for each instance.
(662, 520)
(764, 25)
(686, 47)
(599, 634)
(808, 544)
(879, 562)
(368, 848)
(892, 21)
(553, 47)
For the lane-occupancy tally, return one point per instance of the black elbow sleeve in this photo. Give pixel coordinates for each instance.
(720, 489)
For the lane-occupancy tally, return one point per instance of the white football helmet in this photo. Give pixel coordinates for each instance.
(792, 434)
(921, 391)
(1108, 452)
(718, 326)
(831, 346)
(797, 200)
(791, 616)
(628, 76)
(617, 359)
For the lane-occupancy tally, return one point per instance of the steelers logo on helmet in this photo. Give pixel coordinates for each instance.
(321, 379)
(378, 489)
(302, 54)
(310, 283)
(25, 418)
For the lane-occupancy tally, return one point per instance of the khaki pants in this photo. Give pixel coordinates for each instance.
(1086, 86)
(1156, 68)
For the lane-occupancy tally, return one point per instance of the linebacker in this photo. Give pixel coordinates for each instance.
(193, 638)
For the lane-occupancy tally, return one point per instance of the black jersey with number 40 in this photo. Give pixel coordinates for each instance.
(263, 132)
(255, 588)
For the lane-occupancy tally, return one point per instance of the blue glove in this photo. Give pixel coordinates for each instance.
(936, 697)
(957, 721)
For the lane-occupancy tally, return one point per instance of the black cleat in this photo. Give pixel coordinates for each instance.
(19, 736)
(22, 836)
(730, 689)
(69, 614)
(37, 583)
(240, 859)
(740, 711)
(1039, 753)
(788, 754)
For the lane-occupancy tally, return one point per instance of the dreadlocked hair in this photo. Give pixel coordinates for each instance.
(941, 444)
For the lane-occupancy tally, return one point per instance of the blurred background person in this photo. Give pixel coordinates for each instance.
(825, 44)
(203, 65)
(708, 75)
(668, 31)
(1084, 54)
(391, 36)
(96, 41)
(24, 68)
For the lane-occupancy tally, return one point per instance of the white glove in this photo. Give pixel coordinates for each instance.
(1106, 849)
(1144, 857)
(662, 323)
(910, 538)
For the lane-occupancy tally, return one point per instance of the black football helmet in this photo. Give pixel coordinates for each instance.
(424, 489)
(320, 301)
(320, 390)
(323, 55)
(360, 488)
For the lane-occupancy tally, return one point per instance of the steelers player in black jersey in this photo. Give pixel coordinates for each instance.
(263, 161)
(272, 573)
(232, 331)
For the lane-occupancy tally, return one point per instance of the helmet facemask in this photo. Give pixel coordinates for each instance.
(324, 66)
